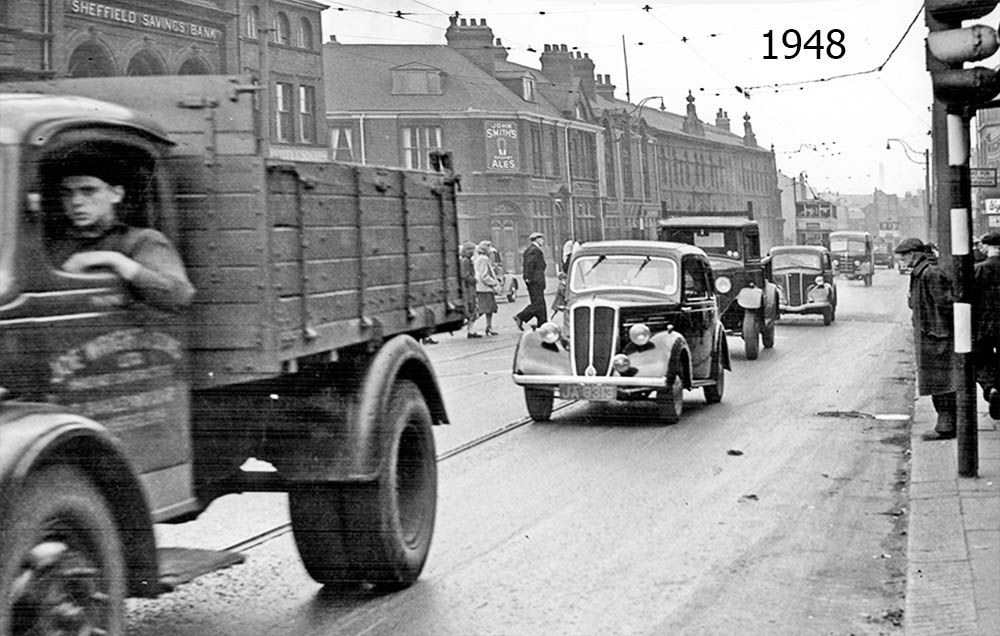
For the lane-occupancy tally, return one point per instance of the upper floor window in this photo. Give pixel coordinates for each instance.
(281, 28)
(307, 114)
(416, 81)
(418, 142)
(283, 111)
(305, 34)
(342, 143)
(253, 18)
(528, 89)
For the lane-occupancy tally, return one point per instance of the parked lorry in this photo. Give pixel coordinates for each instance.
(315, 283)
(748, 298)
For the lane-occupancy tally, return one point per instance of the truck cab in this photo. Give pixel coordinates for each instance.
(748, 299)
(301, 349)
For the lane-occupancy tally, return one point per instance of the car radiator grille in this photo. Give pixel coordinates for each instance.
(794, 287)
(594, 331)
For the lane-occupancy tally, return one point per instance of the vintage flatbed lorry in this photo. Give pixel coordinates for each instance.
(315, 282)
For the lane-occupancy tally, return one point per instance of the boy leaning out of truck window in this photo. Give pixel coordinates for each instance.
(97, 239)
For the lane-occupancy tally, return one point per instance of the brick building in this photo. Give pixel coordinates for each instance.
(528, 162)
(547, 149)
(80, 38)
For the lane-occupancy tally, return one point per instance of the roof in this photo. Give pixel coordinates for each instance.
(669, 122)
(367, 70)
(663, 248)
(20, 113)
(817, 249)
(707, 221)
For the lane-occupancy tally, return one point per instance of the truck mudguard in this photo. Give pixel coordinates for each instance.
(750, 297)
(348, 448)
(32, 435)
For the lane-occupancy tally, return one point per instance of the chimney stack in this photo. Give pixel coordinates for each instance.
(474, 41)
(722, 120)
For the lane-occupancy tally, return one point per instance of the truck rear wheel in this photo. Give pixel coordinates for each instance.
(751, 334)
(61, 564)
(378, 533)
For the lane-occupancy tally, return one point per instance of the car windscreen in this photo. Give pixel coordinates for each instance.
(715, 241)
(786, 260)
(600, 271)
(851, 246)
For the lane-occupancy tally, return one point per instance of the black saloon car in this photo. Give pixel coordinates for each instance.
(641, 320)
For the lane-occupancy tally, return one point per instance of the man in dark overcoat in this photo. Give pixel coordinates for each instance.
(533, 270)
(986, 322)
(931, 300)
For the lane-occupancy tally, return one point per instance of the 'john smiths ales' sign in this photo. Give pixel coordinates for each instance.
(502, 151)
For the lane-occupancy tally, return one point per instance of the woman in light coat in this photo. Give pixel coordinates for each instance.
(486, 285)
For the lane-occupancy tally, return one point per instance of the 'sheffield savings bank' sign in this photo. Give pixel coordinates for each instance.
(142, 19)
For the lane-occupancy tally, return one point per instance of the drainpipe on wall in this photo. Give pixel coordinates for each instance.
(361, 139)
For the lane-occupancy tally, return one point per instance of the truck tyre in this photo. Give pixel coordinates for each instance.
(751, 334)
(539, 403)
(827, 315)
(378, 533)
(61, 564)
(767, 335)
(714, 392)
(670, 400)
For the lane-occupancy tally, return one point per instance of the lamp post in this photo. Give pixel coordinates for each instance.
(931, 230)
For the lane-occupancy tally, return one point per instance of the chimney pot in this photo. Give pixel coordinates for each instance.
(562, 47)
(548, 48)
(333, 38)
(462, 22)
(472, 22)
(499, 43)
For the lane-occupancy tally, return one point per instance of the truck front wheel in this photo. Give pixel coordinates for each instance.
(61, 564)
(751, 334)
(378, 533)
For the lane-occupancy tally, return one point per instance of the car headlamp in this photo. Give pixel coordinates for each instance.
(857, 263)
(549, 332)
(836, 262)
(819, 280)
(639, 334)
(621, 363)
(723, 284)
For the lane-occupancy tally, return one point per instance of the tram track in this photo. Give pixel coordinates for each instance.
(279, 530)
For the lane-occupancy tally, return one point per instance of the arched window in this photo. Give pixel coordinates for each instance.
(305, 39)
(145, 63)
(90, 59)
(281, 28)
(194, 66)
(253, 18)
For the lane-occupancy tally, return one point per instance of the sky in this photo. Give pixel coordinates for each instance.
(827, 113)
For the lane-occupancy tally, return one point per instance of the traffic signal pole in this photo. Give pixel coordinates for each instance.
(958, 92)
(960, 235)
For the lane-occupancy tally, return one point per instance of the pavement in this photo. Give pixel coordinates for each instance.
(953, 539)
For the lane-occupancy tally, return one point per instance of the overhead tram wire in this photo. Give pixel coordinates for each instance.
(877, 69)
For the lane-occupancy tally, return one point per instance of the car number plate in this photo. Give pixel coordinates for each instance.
(594, 392)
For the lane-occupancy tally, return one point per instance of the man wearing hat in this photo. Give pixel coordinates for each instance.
(533, 270)
(96, 239)
(986, 322)
(931, 301)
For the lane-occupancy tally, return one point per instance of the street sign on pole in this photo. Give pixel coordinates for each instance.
(983, 177)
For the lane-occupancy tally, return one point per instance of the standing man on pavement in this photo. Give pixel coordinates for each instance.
(533, 269)
(931, 301)
(986, 322)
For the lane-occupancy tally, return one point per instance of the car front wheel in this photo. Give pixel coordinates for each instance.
(539, 403)
(670, 400)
